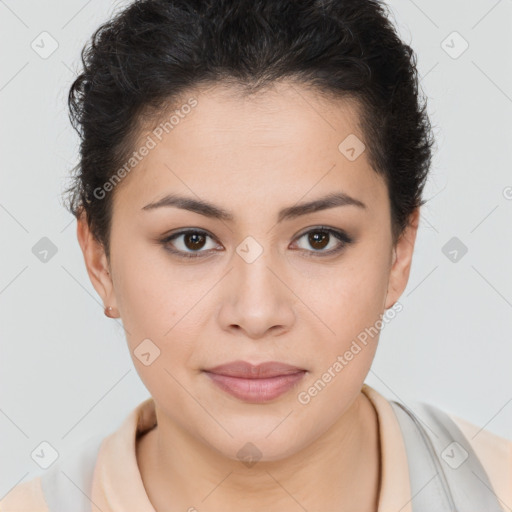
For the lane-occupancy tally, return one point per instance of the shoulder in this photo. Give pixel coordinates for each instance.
(60, 487)
(25, 496)
(495, 454)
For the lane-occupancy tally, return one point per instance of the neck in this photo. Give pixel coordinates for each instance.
(338, 471)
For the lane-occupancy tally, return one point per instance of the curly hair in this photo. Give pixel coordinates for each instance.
(153, 51)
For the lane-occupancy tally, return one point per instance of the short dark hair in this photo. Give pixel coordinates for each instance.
(152, 52)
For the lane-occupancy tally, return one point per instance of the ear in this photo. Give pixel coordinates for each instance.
(96, 262)
(402, 259)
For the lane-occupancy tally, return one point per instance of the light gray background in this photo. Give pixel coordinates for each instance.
(65, 371)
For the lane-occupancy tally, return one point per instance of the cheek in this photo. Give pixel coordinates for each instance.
(352, 310)
(159, 312)
(150, 311)
(148, 306)
(146, 291)
(353, 298)
(159, 335)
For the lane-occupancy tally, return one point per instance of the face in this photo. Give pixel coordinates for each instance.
(269, 280)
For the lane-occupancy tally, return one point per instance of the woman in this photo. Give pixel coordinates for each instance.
(247, 203)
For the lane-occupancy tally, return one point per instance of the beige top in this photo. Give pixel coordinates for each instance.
(117, 484)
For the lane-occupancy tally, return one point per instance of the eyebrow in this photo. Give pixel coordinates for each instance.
(210, 210)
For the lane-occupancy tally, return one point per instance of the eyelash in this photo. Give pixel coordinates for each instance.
(340, 235)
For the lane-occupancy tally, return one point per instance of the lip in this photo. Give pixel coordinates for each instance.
(255, 383)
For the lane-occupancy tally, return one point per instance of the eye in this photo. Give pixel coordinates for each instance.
(188, 244)
(193, 243)
(322, 237)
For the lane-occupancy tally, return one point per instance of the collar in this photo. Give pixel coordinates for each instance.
(117, 483)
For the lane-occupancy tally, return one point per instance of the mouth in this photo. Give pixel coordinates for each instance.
(255, 384)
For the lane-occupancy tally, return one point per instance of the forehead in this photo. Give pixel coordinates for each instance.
(282, 142)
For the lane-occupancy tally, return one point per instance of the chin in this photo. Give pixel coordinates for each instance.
(259, 442)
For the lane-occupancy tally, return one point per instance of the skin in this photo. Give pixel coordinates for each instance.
(253, 156)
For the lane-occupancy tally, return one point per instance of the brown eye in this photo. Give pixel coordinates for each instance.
(189, 244)
(319, 239)
(194, 241)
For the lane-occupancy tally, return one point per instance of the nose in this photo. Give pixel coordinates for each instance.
(256, 299)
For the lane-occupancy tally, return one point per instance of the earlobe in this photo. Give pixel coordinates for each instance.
(402, 260)
(96, 263)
